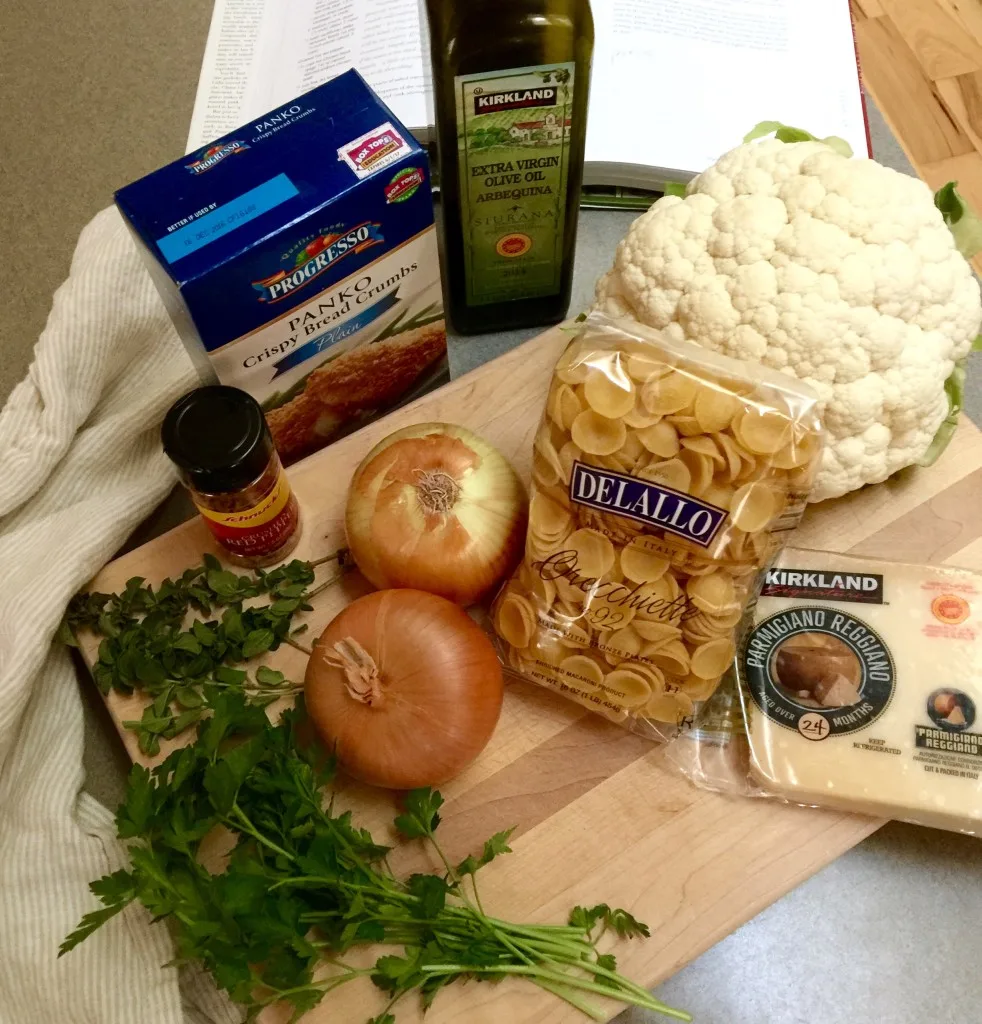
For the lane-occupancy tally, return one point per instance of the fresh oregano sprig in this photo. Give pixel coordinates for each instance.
(304, 885)
(152, 644)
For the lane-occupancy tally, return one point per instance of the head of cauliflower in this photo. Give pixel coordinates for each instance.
(838, 272)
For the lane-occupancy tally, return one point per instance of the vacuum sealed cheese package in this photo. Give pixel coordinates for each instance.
(663, 478)
(861, 682)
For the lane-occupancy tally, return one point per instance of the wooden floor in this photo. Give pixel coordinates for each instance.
(922, 62)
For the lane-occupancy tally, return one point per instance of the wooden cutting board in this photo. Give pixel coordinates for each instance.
(599, 815)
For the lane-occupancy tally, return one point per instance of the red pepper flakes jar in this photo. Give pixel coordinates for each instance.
(217, 438)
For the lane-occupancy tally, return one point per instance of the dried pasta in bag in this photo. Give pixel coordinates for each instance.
(663, 477)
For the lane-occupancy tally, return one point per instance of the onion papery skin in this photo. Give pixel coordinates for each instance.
(405, 529)
(429, 706)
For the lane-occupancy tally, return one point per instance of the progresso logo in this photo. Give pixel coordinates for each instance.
(316, 257)
(214, 155)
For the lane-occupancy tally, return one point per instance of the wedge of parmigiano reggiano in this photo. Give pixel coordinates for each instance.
(863, 687)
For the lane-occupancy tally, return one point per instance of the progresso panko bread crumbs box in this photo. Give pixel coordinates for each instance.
(298, 259)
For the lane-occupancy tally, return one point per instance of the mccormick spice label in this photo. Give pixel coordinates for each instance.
(298, 258)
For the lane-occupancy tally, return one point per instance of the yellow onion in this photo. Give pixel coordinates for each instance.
(404, 688)
(435, 507)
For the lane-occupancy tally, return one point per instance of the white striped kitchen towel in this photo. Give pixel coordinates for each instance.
(80, 467)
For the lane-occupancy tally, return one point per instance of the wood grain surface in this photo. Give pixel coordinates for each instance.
(600, 817)
(922, 62)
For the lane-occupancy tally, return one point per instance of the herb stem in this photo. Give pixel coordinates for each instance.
(574, 1000)
(505, 941)
(391, 1003)
(329, 582)
(537, 930)
(477, 895)
(558, 944)
(299, 646)
(347, 968)
(339, 883)
(247, 826)
(336, 556)
(646, 1000)
(455, 879)
(321, 987)
(451, 874)
(565, 951)
(621, 981)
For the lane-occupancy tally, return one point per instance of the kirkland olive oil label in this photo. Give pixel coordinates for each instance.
(513, 141)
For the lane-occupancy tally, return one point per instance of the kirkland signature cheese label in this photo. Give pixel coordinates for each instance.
(862, 588)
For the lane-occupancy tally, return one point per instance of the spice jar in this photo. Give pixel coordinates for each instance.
(217, 438)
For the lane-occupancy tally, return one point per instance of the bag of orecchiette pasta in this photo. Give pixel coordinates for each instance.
(663, 478)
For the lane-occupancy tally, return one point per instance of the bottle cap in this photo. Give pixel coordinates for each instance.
(218, 439)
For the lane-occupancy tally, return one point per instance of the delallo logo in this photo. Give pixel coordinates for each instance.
(215, 155)
(374, 150)
(406, 183)
(645, 502)
(316, 257)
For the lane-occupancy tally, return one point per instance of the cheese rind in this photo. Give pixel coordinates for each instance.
(862, 684)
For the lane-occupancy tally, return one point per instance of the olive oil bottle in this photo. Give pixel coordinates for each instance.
(510, 79)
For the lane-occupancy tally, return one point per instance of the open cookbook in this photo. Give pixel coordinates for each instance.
(675, 83)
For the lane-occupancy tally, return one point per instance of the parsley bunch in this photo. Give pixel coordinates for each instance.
(149, 645)
(303, 885)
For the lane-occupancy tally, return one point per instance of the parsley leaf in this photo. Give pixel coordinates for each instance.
(258, 642)
(493, 847)
(90, 923)
(431, 891)
(627, 926)
(133, 816)
(421, 816)
(619, 921)
(149, 646)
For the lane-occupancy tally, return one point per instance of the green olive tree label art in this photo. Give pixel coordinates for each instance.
(513, 144)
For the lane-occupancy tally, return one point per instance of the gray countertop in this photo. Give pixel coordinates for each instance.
(884, 934)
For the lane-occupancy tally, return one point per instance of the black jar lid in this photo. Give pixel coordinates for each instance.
(218, 439)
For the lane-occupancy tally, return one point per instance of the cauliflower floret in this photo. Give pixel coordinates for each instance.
(838, 272)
